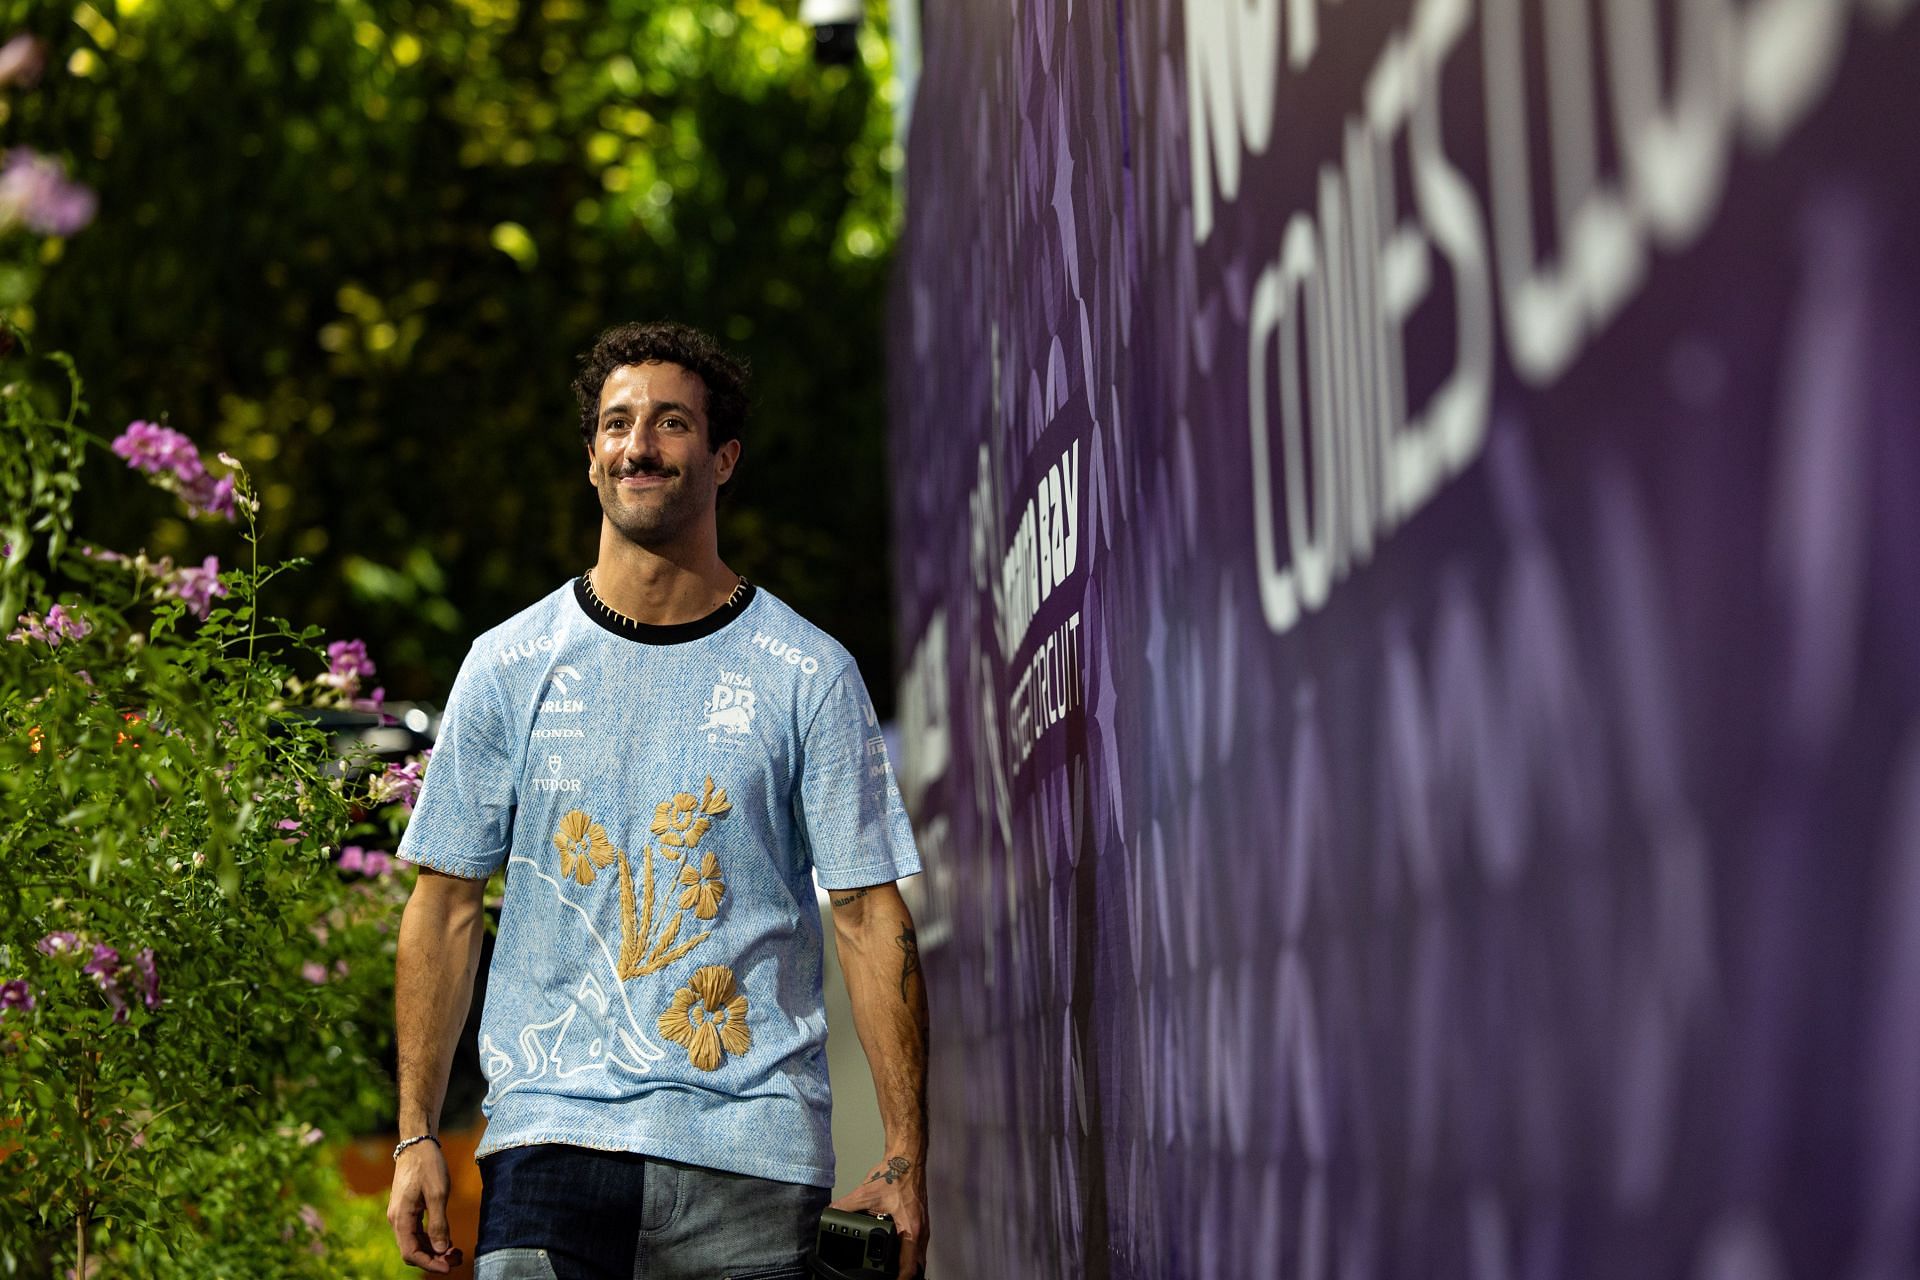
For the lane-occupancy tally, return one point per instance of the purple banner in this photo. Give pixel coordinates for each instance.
(1409, 573)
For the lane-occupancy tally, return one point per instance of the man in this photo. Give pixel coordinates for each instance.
(663, 758)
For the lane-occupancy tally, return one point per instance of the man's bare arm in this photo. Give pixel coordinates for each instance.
(880, 957)
(440, 935)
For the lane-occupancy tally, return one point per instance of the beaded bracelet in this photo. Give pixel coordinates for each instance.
(408, 1142)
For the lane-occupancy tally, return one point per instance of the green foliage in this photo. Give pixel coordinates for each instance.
(188, 975)
(363, 242)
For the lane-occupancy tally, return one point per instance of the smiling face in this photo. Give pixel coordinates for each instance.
(650, 461)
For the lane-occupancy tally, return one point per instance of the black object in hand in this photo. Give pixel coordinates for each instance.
(856, 1246)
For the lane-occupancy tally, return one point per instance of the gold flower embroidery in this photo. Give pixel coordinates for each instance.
(681, 821)
(583, 845)
(704, 888)
(708, 1015)
(648, 943)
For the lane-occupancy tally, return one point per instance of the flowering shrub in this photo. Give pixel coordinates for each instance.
(194, 959)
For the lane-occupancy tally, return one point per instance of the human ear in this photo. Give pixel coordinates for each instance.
(725, 459)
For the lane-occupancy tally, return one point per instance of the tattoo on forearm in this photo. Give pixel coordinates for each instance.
(896, 1169)
(846, 898)
(909, 944)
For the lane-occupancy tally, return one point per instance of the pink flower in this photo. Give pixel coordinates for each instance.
(105, 963)
(21, 61)
(158, 450)
(15, 995)
(58, 942)
(312, 1136)
(400, 782)
(347, 664)
(198, 586)
(348, 660)
(206, 496)
(313, 971)
(149, 977)
(368, 862)
(59, 625)
(64, 625)
(372, 703)
(105, 970)
(35, 191)
(166, 453)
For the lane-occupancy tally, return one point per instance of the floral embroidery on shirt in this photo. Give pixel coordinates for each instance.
(682, 819)
(704, 888)
(583, 845)
(709, 1017)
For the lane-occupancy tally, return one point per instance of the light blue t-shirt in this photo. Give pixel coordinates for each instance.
(662, 799)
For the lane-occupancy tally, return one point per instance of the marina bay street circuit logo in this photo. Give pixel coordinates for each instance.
(729, 711)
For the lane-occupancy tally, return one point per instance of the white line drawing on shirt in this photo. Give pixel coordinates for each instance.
(564, 673)
(542, 1057)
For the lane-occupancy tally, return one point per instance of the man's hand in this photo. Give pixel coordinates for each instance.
(897, 1188)
(420, 1187)
(440, 936)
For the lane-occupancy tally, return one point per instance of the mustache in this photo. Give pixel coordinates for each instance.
(642, 469)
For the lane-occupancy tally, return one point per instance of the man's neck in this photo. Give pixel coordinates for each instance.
(661, 586)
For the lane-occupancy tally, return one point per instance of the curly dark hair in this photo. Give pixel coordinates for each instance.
(723, 373)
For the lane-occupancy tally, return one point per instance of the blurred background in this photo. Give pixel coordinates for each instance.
(359, 245)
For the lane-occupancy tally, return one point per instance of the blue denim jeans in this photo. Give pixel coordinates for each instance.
(553, 1212)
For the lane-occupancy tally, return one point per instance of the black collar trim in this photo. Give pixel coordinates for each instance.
(660, 633)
